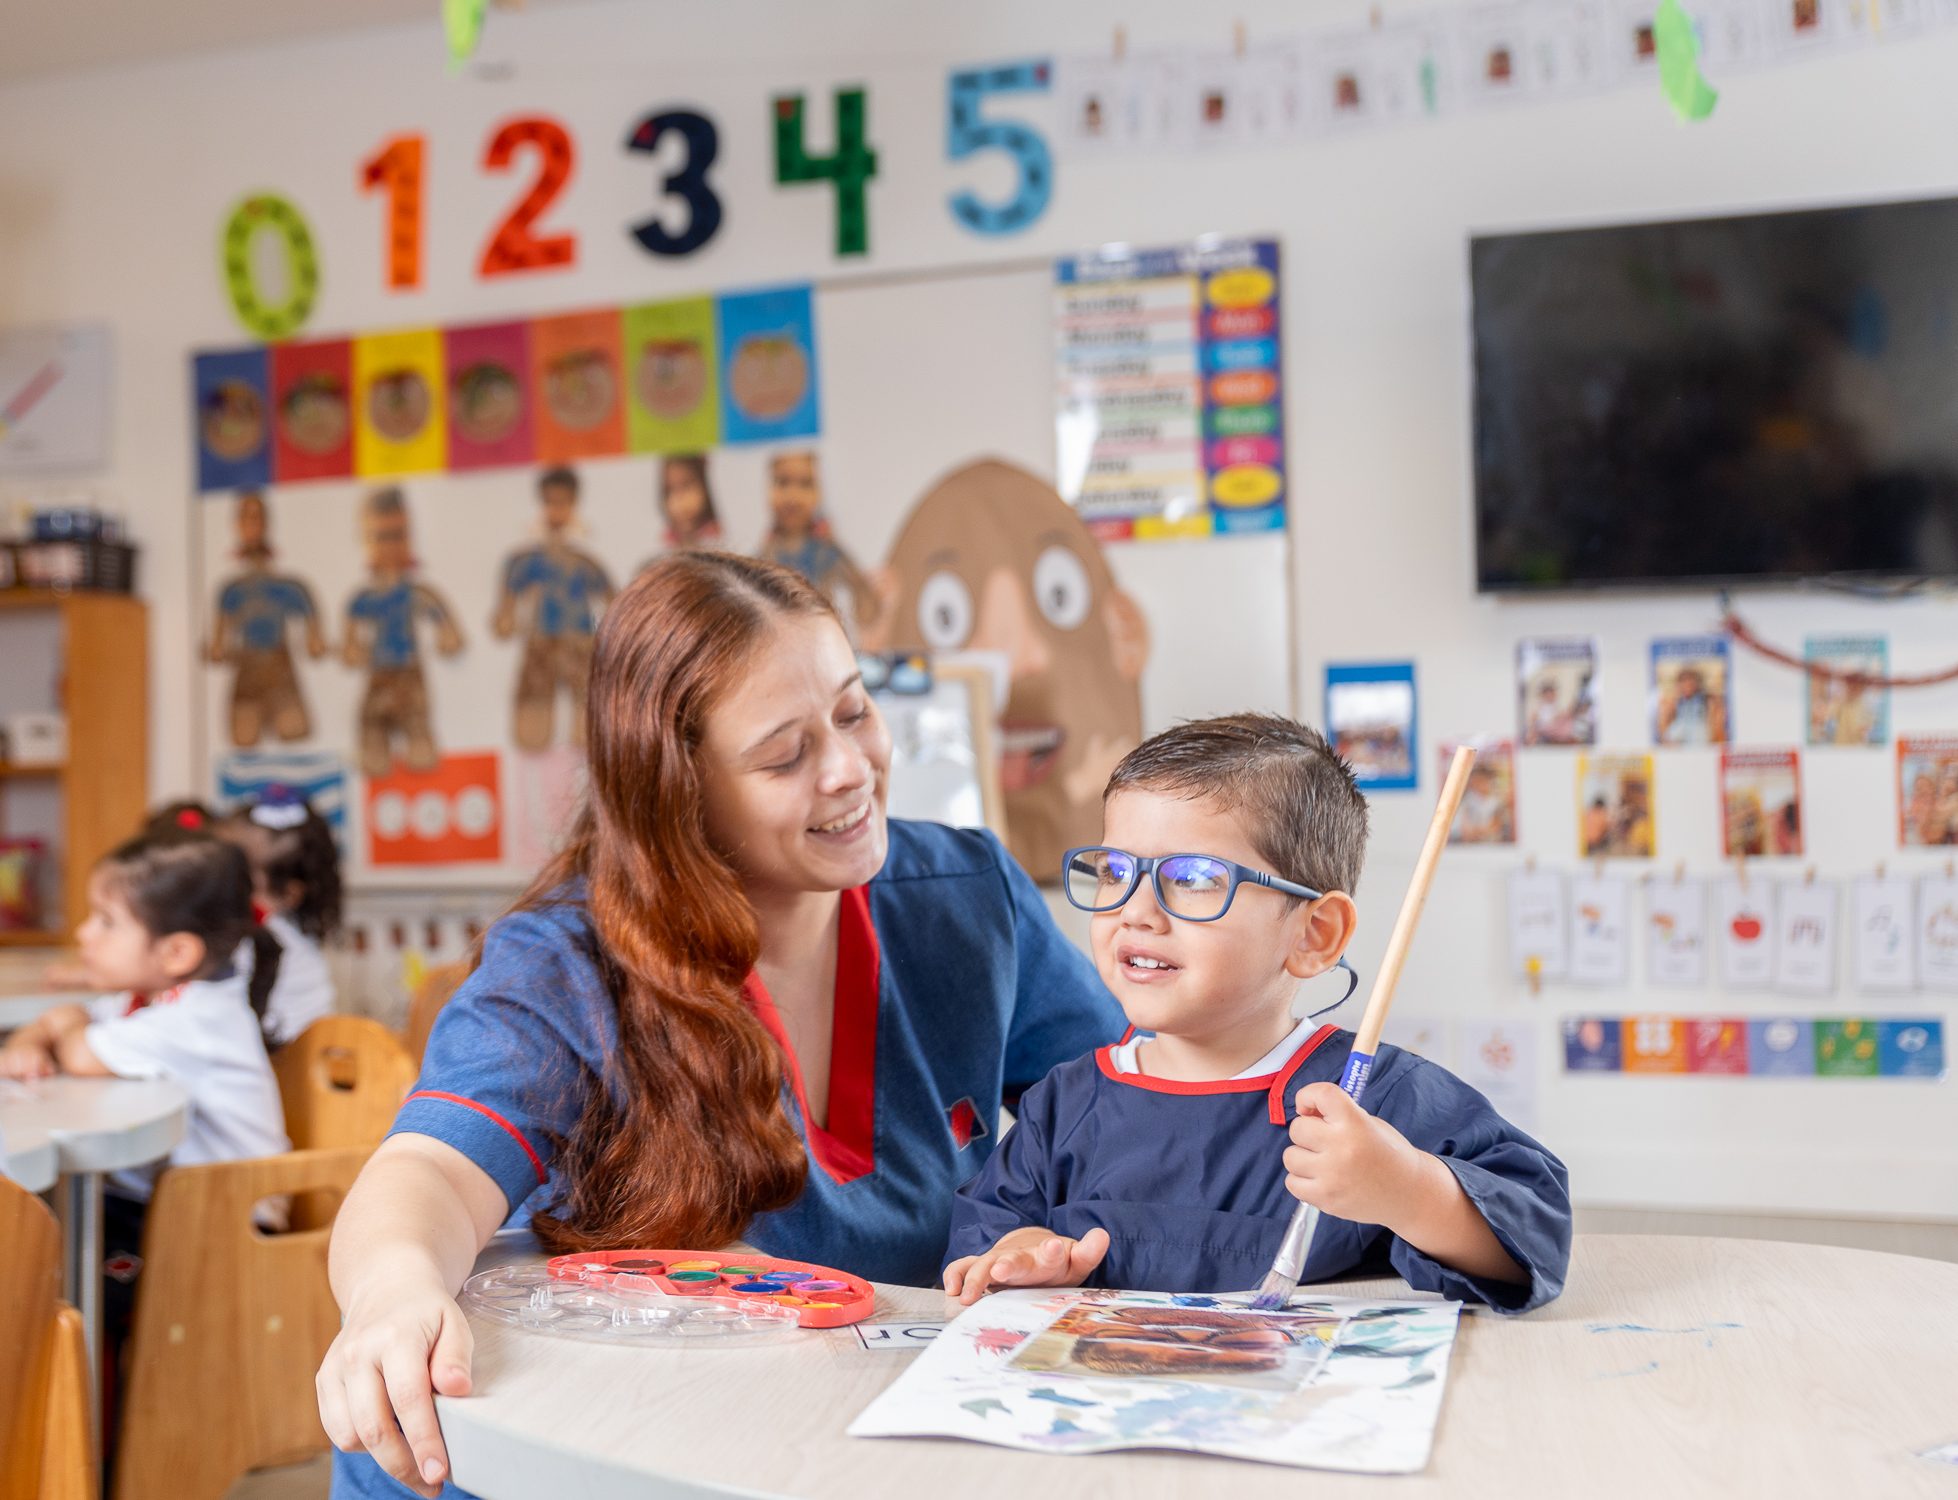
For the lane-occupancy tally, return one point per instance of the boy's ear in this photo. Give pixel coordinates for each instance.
(1321, 931)
(181, 954)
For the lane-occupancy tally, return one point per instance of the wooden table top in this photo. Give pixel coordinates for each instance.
(1671, 1367)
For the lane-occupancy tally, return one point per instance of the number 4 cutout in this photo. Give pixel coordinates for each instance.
(849, 166)
(967, 132)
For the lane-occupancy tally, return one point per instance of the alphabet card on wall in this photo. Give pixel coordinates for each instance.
(1498, 1058)
(1805, 937)
(1884, 911)
(1937, 932)
(1675, 932)
(1745, 932)
(1539, 924)
(1600, 929)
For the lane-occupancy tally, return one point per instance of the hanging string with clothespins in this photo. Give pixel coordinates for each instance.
(1741, 633)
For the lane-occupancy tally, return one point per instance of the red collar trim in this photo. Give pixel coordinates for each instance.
(1272, 1085)
(847, 1148)
(140, 1001)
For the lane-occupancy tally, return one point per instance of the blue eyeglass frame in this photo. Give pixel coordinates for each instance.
(1151, 865)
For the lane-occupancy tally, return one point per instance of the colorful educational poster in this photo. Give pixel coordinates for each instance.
(400, 400)
(1325, 1383)
(1805, 937)
(317, 776)
(1556, 690)
(1498, 1059)
(1937, 932)
(491, 422)
(232, 395)
(1927, 789)
(1884, 933)
(312, 411)
(672, 376)
(1600, 929)
(1592, 1044)
(579, 402)
(1488, 811)
(1675, 932)
(1655, 1044)
(1692, 678)
(1744, 932)
(1910, 1048)
(1716, 1044)
(1370, 721)
(1848, 703)
(768, 384)
(1760, 803)
(1616, 808)
(1846, 1049)
(1539, 924)
(1171, 390)
(450, 815)
(1783, 1047)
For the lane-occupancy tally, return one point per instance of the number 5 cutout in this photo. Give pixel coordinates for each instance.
(513, 247)
(967, 133)
(688, 183)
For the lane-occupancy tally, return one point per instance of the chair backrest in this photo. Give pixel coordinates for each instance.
(343, 1079)
(437, 985)
(45, 1442)
(231, 1324)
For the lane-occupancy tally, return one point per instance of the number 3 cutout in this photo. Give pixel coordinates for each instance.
(513, 247)
(967, 133)
(688, 183)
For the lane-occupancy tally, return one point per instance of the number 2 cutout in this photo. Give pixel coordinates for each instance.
(967, 132)
(849, 166)
(513, 247)
(688, 183)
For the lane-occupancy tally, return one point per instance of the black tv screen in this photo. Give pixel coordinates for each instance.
(1764, 398)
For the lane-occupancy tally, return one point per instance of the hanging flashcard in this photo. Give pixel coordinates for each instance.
(1760, 802)
(1370, 720)
(1690, 677)
(1655, 1044)
(234, 424)
(1675, 932)
(1431, 1037)
(1883, 937)
(580, 408)
(1498, 1059)
(1847, 701)
(1744, 932)
(1927, 789)
(1103, 104)
(1539, 924)
(768, 366)
(400, 391)
(1600, 929)
(1783, 1047)
(1488, 811)
(1556, 691)
(1805, 937)
(54, 398)
(312, 411)
(1937, 932)
(1716, 1044)
(1493, 53)
(450, 815)
(1593, 1044)
(672, 368)
(1616, 812)
(490, 395)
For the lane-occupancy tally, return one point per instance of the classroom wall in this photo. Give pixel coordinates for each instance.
(112, 186)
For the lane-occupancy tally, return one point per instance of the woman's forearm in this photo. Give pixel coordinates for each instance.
(414, 1213)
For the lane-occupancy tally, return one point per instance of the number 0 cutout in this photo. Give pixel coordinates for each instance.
(513, 247)
(688, 182)
(268, 211)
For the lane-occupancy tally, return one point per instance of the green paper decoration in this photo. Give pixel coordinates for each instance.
(849, 166)
(1678, 48)
(268, 211)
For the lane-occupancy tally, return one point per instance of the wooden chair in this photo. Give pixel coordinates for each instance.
(437, 985)
(343, 1079)
(231, 1324)
(46, 1449)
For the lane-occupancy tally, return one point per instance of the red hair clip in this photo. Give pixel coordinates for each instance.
(190, 818)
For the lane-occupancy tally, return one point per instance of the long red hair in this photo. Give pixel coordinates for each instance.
(683, 1140)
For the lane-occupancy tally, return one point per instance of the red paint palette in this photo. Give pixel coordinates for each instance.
(819, 1296)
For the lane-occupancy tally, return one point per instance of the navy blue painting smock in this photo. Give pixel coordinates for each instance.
(1189, 1178)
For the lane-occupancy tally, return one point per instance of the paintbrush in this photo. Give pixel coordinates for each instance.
(1283, 1278)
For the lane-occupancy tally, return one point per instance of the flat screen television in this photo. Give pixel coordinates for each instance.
(1757, 399)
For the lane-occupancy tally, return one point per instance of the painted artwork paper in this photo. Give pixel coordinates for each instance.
(1342, 1384)
(1883, 932)
(1488, 811)
(1556, 691)
(1761, 802)
(1675, 933)
(1616, 812)
(1691, 677)
(1539, 924)
(1600, 929)
(1927, 790)
(1805, 937)
(1847, 703)
(1744, 932)
(1370, 721)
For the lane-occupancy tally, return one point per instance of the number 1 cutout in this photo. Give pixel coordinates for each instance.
(397, 169)
(688, 182)
(968, 132)
(513, 247)
(849, 166)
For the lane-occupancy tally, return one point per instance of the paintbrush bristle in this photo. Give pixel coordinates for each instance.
(1274, 1293)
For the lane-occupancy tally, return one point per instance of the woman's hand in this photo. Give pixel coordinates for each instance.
(1027, 1257)
(377, 1387)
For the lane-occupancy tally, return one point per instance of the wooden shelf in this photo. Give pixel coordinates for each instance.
(7, 772)
(28, 938)
(53, 598)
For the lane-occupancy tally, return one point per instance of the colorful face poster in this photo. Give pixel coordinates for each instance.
(1539, 924)
(1675, 933)
(1883, 936)
(1744, 932)
(1370, 721)
(1781, 1048)
(1927, 789)
(400, 391)
(768, 365)
(1654, 1044)
(1846, 1049)
(579, 404)
(1600, 929)
(1716, 1044)
(1556, 691)
(1760, 803)
(1937, 932)
(1616, 809)
(312, 411)
(450, 815)
(1592, 1044)
(1691, 676)
(1488, 811)
(234, 420)
(490, 419)
(1805, 937)
(1910, 1048)
(672, 376)
(1497, 1058)
(1171, 390)
(1847, 701)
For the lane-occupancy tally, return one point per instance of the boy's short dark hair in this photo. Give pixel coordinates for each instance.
(1302, 809)
(553, 478)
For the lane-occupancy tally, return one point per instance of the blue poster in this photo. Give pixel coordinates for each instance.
(1592, 1044)
(1781, 1048)
(314, 775)
(769, 384)
(1370, 722)
(1910, 1049)
(231, 397)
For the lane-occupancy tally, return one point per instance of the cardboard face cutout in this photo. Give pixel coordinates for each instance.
(993, 559)
(256, 612)
(553, 591)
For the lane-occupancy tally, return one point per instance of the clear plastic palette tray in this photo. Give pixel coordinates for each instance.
(621, 1311)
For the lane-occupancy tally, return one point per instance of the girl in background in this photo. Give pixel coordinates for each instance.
(295, 866)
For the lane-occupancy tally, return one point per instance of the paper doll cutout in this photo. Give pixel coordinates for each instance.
(556, 590)
(256, 611)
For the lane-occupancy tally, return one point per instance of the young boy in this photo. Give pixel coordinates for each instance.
(1172, 1161)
